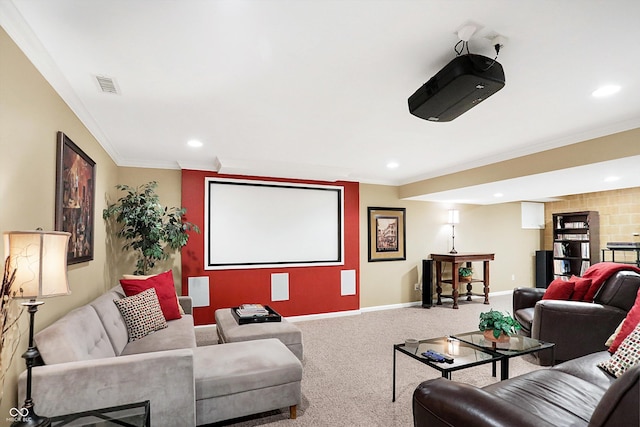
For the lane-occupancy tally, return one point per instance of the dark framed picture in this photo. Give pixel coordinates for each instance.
(386, 230)
(75, 198)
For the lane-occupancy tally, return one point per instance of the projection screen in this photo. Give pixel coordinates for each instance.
(260, 224)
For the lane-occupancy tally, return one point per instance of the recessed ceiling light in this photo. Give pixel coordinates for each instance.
(498, 195)
(194, 143)
(611, 178)
(605, 91)
(393, 165)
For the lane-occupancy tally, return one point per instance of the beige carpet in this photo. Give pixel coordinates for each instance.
(348, 361)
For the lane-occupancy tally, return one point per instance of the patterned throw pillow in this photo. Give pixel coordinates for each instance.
(142, 314)
(626, 356)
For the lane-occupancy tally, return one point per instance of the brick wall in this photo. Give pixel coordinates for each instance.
(619, 216)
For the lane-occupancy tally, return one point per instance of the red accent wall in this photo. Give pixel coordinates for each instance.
(312, 290)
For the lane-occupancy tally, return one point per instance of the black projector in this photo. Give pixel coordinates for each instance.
(461, 85)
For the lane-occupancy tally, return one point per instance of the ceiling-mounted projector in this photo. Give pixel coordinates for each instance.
(461, 85)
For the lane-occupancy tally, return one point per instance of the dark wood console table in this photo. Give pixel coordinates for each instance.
(456, 260)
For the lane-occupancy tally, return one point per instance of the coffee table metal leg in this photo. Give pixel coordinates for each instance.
(504, 368)
(394, 375)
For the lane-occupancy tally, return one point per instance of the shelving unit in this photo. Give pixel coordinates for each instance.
(576, 242)
(625, 252)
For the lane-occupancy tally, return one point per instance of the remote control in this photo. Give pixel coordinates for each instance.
(437, 357)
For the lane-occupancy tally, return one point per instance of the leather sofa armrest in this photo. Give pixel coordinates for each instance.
(186, 302)
(577, 328)
(526, 297)
(619, 405)
(441, 402)
(166, 378)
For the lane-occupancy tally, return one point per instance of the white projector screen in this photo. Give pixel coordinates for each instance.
(254, 224)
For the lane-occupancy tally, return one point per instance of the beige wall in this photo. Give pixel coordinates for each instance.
(619, 216)
(31, 113)
(490, 229)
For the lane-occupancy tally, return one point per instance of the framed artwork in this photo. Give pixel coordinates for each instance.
(75, 198)
(386, 230)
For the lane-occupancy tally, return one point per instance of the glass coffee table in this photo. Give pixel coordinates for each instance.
(132, 415)
(464, 355)
(467, 350)
(517, 345)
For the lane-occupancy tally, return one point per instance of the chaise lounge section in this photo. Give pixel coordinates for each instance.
(89, 363)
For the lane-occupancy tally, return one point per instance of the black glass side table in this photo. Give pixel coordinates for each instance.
(131, 415)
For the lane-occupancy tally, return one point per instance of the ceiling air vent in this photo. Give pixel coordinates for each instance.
(107, 84)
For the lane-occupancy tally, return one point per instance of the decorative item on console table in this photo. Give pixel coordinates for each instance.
(497, 326)
(147, 227)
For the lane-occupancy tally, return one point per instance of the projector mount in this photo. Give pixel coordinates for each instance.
(466, 32)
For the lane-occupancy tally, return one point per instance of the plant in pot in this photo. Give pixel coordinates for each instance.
(497, 326)
(465, 274)
(149, 229)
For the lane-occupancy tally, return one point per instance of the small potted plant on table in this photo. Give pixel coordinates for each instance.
(497, 326)
(465, 274)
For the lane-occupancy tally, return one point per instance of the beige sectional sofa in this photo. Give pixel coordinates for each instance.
(89, 364)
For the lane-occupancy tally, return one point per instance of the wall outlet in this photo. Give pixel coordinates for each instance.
(416, 287)
(513, 277)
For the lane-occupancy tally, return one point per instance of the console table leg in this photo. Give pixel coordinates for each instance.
(439, 282)
(486, 281)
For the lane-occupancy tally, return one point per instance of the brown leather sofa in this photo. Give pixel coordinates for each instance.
(575, 393)
(577, 328)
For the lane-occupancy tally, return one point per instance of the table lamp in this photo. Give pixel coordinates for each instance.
(39, 259)
(454, 218)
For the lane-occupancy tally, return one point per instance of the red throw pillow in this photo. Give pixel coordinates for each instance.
(593, 290)
(580, 289)
(559, 289)
(163, 284)
(629, 324)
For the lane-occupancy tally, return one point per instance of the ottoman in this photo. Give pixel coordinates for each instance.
(244, 378)
(230, 331)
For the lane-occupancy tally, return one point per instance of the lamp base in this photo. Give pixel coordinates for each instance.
(453, 251)
(31, 419)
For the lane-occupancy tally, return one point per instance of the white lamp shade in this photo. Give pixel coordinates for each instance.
(40, 261)
(454, 216)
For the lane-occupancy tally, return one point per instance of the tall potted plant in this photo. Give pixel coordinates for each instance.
(148, 228)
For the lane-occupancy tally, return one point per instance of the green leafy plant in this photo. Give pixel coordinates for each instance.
(465, 271)
(498, 322)
(149, 229)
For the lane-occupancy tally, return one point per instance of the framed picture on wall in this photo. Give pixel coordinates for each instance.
(75, 198)
(386, 231)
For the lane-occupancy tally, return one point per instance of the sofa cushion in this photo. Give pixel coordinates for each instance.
(557, 397)
(628, 325)
(140, 277)
(179, 333)
(559, 289)
(580, 289)
(225, 369)
(165, 289)
(111, 319)
(626, 356)
(79, 335)
(141, 313)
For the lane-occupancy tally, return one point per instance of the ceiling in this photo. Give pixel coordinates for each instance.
(318, 89)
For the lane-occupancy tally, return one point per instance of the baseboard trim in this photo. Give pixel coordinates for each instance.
(306, 317)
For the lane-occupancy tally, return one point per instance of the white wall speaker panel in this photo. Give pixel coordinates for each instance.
(348, 282)
(199, 291)
(280, 287)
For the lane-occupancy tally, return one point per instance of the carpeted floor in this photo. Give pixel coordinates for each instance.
(348, 362)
